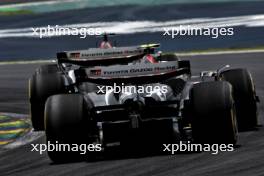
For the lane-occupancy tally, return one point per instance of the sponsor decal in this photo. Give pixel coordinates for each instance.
(110, 53)
(75, 55)
(141, 70)
(95, 72)
(133, 70)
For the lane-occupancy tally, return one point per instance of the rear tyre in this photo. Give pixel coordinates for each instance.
(41, 86)
(185, 64)
(244, 96)
(65, 124)
(47, 69)
(213, 113)
(168, 57)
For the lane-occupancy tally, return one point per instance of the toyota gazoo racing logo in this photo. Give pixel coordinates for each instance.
(75, 55)
(96, 72)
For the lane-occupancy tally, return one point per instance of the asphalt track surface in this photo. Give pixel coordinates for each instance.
(246, 160)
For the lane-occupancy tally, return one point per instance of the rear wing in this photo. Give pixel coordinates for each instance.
(134, 74)
(98, 56)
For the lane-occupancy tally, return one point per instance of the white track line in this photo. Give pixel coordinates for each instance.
(182, 54)
(131, 27)
(205, 53)
(26, 62)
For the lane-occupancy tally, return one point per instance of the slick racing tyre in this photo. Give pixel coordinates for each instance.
(65, 124)
(47, 69)
(213, 113)
(41, 86)
(168, 57)
(185, 64)
(245, 97)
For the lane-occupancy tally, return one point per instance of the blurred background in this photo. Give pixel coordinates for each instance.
(136, 22)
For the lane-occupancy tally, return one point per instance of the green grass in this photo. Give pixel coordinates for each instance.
(13, 11)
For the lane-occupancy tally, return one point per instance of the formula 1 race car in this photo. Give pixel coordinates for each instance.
(113, 97)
